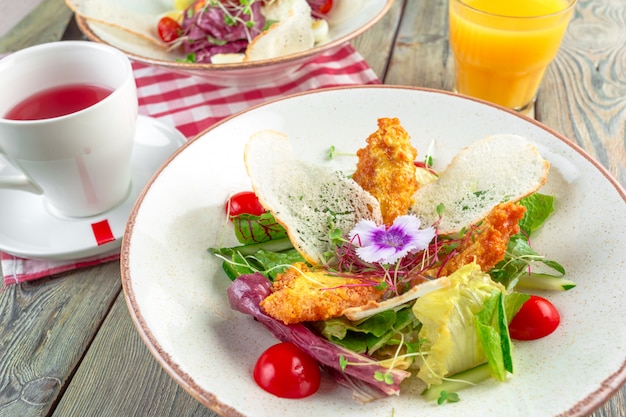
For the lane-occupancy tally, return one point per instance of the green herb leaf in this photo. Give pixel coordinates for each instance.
(445, 396)
(251, 229)
(538, 208)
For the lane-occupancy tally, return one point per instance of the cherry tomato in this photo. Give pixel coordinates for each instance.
(536, 319)
(168, 29)
(321, 6)
(244, 202)
(287, 372)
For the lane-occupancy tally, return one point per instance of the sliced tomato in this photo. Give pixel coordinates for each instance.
(244, 202)
(536, 319)
(168, 29)
(287, 372)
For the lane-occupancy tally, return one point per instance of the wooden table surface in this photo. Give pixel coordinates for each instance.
(67, 343)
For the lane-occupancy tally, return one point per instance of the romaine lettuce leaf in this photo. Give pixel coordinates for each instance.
(448, 316)
(492, 326)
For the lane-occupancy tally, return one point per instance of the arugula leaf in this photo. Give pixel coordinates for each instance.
(520, 255)
(273, 263)
(517, 260)
(268, 258)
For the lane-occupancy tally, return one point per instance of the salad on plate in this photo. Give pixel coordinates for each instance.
(228, 31)
(392, 272)
(221, 31)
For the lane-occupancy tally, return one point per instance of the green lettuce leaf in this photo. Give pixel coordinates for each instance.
(520, 256)
(242, 260)
(492, 326)
(250, 229)
(381, 332)
(448, 320)
(538, 208)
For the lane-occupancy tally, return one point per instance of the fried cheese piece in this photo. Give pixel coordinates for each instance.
(386, 168)
(300, 294)
(488, 242)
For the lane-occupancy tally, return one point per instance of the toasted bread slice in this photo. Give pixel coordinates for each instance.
(308, 200)
(496, 169)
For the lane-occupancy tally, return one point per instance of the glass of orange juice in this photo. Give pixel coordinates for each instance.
(503, 47)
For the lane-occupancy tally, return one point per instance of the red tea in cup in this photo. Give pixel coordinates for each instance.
(58, 101)
(80, 163)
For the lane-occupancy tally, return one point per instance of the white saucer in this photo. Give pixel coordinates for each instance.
(28, 228)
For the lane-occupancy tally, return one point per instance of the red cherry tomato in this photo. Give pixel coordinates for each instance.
(325, 8)
(245, 202)
(168, 29)
(321, 6)
(287, 372)
(536, 319)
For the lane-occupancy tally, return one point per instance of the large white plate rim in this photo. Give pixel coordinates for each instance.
(583, 406)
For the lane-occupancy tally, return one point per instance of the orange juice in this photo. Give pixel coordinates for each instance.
(503, 47)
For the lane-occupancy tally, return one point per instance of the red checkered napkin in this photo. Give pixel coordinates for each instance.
(191, 105)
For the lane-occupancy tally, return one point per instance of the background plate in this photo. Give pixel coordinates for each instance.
(354, 18)
(176, 290)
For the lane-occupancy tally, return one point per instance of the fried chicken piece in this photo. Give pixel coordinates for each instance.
(488, 242)
(300, 294)
(386, 168)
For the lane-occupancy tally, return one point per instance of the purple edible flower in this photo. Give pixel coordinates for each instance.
(379, 244)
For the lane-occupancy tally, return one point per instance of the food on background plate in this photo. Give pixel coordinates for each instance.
(427, 293)
(224, 31)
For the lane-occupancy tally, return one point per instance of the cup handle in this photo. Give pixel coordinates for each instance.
(17, 182)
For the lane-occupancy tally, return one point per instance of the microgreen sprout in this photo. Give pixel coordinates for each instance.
(385, 377)
(385, 374)
(409, 255)
(451, 397)
(332, 152)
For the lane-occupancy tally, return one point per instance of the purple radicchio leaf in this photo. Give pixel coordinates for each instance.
(207, 32)
(245, 295)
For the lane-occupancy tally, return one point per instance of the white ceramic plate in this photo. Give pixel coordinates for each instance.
(176, 290)
(363, 15)
(28, 228)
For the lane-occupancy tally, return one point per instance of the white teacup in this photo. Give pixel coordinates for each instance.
(79, 162)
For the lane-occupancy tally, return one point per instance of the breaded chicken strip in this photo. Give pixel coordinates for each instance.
(487, 243)
(315, 295)
(386, 168)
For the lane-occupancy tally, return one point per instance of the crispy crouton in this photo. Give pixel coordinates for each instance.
(488, 242)
(300, 294)
(386, 168)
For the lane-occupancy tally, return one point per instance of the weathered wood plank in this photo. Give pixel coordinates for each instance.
(587, 84)
(45, 329)
(377, 43)
(120, 365)
(421, 56)
(46, 23)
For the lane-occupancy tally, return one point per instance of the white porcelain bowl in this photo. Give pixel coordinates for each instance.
(176, 289)
(261, 72)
